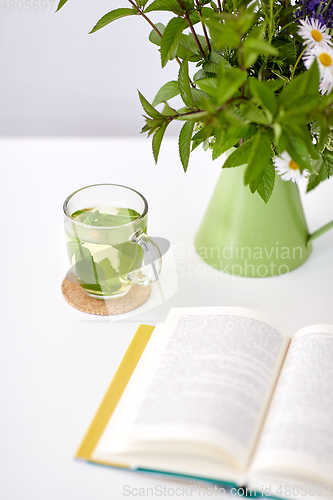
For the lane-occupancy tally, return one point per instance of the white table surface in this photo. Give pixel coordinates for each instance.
(56, 362)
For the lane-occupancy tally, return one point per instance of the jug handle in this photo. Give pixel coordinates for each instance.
(320, 231)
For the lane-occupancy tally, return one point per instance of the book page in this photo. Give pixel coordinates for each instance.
(202, 386)
(297, 440)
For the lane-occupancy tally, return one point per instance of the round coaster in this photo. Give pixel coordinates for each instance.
(76, 297)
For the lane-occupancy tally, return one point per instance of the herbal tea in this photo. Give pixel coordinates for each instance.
(100, 262)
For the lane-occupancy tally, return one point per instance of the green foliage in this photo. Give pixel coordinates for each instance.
(259, 156)
(149, 109)
(112, 16)
(264, 183)
(154, 37)
(166, 5)
(157, 139)
(168, 91)
(254, 47)
(256, 153)
(228, 82)
(73, 247)
(61, 4)
(249, 91)
(170, 39)
(185, 143)
(88, 273)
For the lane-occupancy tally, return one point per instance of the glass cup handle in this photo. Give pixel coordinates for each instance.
(152, 261)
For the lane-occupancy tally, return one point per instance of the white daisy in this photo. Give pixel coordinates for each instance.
(289, 169)
(313, 33)
(326, 85)
(324, 58)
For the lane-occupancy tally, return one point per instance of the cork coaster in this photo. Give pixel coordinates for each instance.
(76, 297)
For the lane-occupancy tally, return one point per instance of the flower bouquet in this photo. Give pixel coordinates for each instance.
(256, 80)
(256, 76)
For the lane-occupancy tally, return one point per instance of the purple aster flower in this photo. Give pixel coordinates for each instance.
(322, 10)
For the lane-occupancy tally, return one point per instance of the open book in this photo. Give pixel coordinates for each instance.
(223, 394)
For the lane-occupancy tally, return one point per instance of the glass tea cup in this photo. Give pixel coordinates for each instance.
(107, 244)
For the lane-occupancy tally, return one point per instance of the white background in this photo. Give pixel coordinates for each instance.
(56, 362)
(58, 80)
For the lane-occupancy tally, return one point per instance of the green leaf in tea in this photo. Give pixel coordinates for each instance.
(101, 268)
(82, 252)
(91, 217)
(253, 47)
(88, 273)
(251, 88)
(240, 156)
(79, 212)
(126, 264)
(127, 248)
(73, 247)
(109, 271)
(95, 218)
(305, 84)
(200, 98)
(228, 82)
(223, 34)
(208, 85)
(109, 288)
(128, 212)
(264, 95)
(294, 143)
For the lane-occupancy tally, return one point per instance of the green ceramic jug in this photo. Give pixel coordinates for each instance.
(242, 235)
